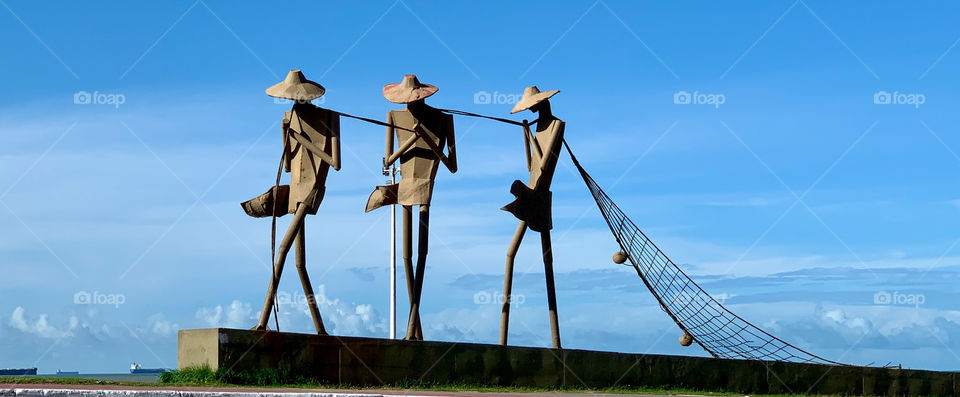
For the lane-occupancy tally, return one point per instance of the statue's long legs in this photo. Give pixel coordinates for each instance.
(408, 261)
(282, 250)
(551, 290)
(422, 239)
(301, 255)
(508, 280)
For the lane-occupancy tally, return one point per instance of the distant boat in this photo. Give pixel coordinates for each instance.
(19, 371)
(59, 372)
(137, 369)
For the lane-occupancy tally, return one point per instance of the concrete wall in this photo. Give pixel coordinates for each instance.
(366, 361)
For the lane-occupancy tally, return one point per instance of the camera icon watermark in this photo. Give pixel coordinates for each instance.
(98, 98)
(899, 98)
(96, 298)
(495, 98)
(496, 298)
(896, 298)
(699, 98)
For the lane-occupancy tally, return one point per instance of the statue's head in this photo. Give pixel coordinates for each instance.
(408, 91)
(533, 99)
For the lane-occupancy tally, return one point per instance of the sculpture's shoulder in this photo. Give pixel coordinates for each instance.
(311, 111)
(401, 117)
(556, 125)
(313, 120)
(553, 127)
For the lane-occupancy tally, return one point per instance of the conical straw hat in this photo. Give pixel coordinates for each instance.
(532, 96)
(408, 90)
(296, 87)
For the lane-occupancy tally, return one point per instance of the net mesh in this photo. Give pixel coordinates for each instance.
(714, 327)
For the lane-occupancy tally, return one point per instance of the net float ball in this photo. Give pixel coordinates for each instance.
(619, 257)
(686, 339)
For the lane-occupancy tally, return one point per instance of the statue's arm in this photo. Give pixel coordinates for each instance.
(312, 147)
(526, 142)
(551, 156)
(335, 140)
(391, 155)
(422, 133)
(287, 145)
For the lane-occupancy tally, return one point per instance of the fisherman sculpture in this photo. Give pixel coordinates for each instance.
(421, 132)
(311, 146)
(533, 199)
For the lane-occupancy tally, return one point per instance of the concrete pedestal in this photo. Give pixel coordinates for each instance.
(369, 361)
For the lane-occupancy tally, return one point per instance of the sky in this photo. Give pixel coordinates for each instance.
(798, 159)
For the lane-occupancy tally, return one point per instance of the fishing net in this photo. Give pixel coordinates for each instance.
(714, 327)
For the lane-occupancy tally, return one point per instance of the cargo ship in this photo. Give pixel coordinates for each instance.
(61, 373)
(19, 371)
(137, 369)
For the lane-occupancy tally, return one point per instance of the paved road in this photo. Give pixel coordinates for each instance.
(7, 390)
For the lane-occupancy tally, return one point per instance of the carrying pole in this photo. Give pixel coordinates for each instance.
(391, 171)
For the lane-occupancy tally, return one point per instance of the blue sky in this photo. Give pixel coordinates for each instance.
(138, 201)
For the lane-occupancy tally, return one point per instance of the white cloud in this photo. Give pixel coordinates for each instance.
(236, 315)
(40, 327)
(339, 317)
(160, 326)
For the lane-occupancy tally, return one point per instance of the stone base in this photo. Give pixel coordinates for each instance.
(370, 361)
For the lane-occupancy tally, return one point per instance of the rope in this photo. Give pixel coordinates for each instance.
(273, 227)
(462, 113)
(373, 121)
(450, 111)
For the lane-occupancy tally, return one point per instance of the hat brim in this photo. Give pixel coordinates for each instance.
(395, 93)
(528, 102)
(307, 91)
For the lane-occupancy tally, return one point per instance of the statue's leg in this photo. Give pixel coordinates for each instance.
(551, 290)
(423, 236)
(282, 251)
(408, 259)
(301, 255)
(508, 281)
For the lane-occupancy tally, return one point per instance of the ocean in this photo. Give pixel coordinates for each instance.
(127, 377)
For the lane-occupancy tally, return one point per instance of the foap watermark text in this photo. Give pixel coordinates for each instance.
(899, 98)
(496, 298)
(98, 98)
(299, 299)
(285, 101)
(496, 98)
(898, 298)
(699, 98)
(97, 298)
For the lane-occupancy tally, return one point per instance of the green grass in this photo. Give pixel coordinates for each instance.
(204, 376)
